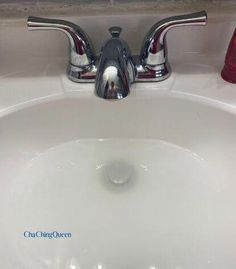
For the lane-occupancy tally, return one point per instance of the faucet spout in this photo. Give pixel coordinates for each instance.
(116, 69)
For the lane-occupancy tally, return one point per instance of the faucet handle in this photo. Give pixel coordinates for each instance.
(154, 50)
(82, 55)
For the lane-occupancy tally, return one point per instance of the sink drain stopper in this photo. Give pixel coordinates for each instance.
(119, 172)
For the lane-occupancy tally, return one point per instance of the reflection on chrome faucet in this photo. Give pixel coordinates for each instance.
(116, 69)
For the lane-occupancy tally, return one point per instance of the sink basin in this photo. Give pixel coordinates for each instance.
(136, 184)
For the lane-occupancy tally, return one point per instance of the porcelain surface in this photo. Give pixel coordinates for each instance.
(151, 185)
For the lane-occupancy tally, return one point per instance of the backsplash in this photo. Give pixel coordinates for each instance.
(115, 1)
(22, 8)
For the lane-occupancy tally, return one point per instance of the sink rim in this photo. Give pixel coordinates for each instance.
(146, 94)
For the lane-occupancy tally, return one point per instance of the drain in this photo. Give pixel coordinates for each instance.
(119, 172)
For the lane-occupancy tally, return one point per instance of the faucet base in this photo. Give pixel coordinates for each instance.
(147, 73)
(144, 73)
(78, 74)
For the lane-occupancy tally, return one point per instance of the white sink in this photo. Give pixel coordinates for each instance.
(141, 183)
(144, 183)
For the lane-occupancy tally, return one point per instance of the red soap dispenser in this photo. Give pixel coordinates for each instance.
(229, 71)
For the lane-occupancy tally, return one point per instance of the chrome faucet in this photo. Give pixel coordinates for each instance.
(115, 69)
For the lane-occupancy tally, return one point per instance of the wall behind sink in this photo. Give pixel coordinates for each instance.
(21, 8)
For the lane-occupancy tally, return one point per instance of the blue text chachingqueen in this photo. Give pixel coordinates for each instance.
(47, 235)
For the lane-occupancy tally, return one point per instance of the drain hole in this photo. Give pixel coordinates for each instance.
(118, 175)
